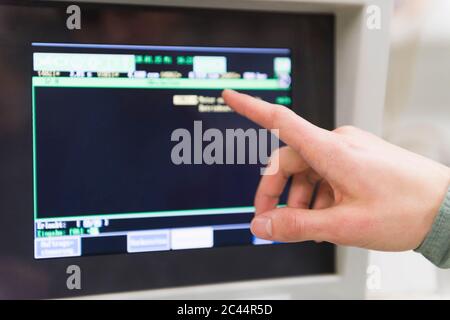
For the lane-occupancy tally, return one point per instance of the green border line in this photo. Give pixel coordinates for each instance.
(168, 213)
(33, 114)
(159, 83)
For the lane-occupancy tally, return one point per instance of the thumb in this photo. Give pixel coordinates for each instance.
(293, 225)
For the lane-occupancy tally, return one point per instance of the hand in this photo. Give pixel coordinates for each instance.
(369, 193)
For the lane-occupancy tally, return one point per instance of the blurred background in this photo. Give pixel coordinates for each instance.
(417, 117)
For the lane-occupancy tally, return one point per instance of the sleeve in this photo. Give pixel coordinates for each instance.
(436, 246)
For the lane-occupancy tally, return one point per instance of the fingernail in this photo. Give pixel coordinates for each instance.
(262, 227)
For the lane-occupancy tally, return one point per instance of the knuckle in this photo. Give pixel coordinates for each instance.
(279, 154)
(345, 130)
(336, 153)
(342, 145)
(278, 115)
(274, 158)
(275, 118)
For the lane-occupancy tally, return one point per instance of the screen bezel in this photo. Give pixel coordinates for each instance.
(112, 273)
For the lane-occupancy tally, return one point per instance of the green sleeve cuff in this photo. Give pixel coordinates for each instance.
(436, 246)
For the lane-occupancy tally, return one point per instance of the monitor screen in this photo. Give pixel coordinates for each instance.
(134, 150)
(119, 156)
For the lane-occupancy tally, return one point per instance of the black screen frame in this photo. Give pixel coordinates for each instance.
(21, 276)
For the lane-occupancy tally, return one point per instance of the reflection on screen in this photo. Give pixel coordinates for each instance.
(103, 116)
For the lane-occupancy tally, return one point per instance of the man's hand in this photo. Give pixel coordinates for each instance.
(369, 193)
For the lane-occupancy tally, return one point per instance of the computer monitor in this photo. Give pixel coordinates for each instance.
(111, 141)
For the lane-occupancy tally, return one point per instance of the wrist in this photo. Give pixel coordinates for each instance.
(436, 245)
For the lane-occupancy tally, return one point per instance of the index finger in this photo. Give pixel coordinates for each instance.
(309, 140)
